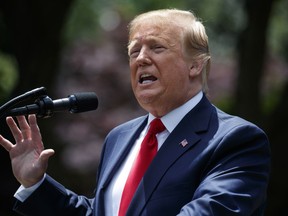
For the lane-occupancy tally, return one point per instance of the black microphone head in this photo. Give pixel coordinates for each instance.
(83, 102)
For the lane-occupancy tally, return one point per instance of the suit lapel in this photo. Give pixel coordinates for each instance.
(182, 138)
(119, 151)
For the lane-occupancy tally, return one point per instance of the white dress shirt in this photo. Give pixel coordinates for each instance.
(114, 191)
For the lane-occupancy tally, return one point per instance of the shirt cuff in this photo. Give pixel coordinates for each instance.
(23, 193)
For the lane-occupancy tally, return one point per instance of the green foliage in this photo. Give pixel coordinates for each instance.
(82, 21)
(271, 99)
(8, 74)
(278, 31)
(223, 27)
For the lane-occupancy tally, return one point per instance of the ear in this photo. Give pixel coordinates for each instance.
(195, 68)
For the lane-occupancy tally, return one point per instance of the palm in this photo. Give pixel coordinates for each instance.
(28, 157)
(25, 161)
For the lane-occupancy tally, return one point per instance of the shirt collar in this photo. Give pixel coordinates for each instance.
(172, 119)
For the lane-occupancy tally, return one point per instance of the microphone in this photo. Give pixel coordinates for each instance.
(45, 107)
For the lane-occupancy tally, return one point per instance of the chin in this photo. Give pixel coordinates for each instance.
(145, 102)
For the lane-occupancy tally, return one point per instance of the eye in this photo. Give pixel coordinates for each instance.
(134, 53)
(158, 48)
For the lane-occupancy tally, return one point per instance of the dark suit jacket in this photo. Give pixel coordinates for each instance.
(222, 171)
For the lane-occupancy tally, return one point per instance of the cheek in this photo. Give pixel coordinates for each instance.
(177, 73)
(177, 80)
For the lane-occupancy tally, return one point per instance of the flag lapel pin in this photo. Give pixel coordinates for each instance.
(183, 143)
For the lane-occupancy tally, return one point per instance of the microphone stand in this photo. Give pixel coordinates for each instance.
(33, 94)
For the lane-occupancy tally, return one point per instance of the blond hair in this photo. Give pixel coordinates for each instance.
(194, 39)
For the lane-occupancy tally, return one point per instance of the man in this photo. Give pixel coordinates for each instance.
(207, 162)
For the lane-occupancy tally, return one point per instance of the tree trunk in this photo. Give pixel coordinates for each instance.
(252, 53)
(277, 129)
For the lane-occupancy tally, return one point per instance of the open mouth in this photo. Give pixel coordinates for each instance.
(147, 78)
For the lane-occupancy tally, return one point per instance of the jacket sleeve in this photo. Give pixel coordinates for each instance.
(52, 198)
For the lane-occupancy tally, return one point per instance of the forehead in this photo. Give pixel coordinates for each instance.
(153, 32)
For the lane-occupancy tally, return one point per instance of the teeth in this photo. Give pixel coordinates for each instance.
(147, 78)
(147, 81)
(145, 75)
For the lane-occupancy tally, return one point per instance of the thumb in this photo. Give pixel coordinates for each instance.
(45, 155)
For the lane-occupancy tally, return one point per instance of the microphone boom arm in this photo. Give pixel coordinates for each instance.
(35, 93)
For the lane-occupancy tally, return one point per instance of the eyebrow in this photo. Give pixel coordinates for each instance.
(149, 38)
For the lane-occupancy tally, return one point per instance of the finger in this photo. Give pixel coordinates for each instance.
(32, 119)
(6, 143)
(24, 127)
(35, 131)
(14, 129)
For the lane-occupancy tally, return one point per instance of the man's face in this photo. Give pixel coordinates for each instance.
(162, 79)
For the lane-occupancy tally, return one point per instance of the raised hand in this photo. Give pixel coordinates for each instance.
(28, 157)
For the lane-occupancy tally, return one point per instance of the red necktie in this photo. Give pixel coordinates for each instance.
(146, 154)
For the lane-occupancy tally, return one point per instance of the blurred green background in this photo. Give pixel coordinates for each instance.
(70, 46)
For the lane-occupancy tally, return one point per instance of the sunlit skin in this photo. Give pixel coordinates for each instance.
(157, 52)
(28, 157)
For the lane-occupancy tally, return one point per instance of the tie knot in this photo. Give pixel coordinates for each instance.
(156, 126)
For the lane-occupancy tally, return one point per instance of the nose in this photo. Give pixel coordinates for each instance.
(143, 58)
